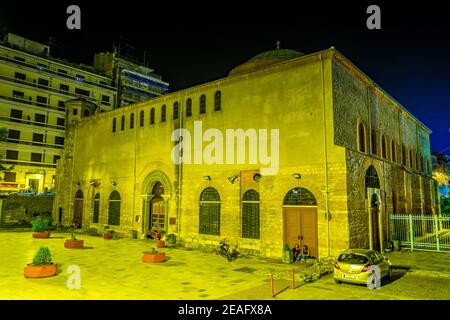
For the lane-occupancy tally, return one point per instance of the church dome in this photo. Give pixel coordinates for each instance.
(265, 59)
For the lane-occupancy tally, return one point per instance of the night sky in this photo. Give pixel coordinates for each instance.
(190, 42)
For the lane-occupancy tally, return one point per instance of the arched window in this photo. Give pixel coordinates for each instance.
(411, 159)
(175, 110)
(393, 151)
(122, 123)
(132, 121)
(96, 208)
(163, 113)
(114, 208)
(152, 116)
(372, 180)
(374, 142)
(423, 162)
(383, 147)
(202, 104)
(209, 215)
(188, 107)
(114, 125)
(141, 119)
(404, 160)
(250, 215)
(428, 167)
(299, 197)
(217, 101)
(418, 161)
(362, 138)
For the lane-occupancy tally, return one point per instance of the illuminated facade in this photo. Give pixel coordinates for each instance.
(34, 87)
(349, 155)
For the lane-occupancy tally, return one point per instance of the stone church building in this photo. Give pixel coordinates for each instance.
(349, 156)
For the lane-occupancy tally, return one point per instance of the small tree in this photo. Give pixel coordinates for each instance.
(42, 257)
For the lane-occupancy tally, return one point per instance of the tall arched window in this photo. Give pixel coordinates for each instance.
(217, 101)
(175, 110)
(372, 180)
(362, 138)
(96, 208)
(202, 104)
(114, 125)
(393, 151)
(418, 157)
(152, 116)
(404, 160)
(374, 142)
(411, 159)
(188, 107)
(384, 147)
(250, 215)
(114, 208)
(141, 119)
(122, 123)
(428, 167)
(163, 113)
(209, 215)
(132, 121)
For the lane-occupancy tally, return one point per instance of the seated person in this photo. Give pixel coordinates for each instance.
(304, 254)
(296, 252)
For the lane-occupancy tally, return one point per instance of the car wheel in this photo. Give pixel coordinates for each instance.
(337, 281)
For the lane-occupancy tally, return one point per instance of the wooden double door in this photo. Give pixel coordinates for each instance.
(300, 227)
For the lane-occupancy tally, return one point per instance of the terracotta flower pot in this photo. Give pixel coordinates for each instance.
(73, 243)
(43, 271)
(41, 234)
(160, 244)
(153, 257)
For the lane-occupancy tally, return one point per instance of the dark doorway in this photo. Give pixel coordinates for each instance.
(60, 215)
(157, 208)
(374, 211)
(78, 209)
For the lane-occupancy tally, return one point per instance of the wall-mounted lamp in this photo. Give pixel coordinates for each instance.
(208, 178)
(94, 183)
(114, 183)
(297, 175)
(232, 179)
(328, 216)
(79, 183)
(257, 177)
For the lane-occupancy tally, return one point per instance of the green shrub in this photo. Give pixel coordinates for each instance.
(40, 225)
(42, 257)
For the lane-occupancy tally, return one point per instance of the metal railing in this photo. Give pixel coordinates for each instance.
(421, 232)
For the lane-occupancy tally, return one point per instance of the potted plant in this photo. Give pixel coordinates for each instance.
(73, 242)
(106, 232)
(153, 256)
(40, 228)
(42, 265)
(287, 254)
(158, 233)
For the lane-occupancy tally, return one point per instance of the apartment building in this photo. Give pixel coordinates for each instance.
(33, 88)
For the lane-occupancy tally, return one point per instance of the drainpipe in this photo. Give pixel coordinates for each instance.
(327, 213)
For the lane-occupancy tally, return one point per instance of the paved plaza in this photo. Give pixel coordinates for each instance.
(112, 269)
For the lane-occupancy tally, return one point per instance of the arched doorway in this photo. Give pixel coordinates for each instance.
(300, 219)
(157, 208)
(372, 188)
(78, 209)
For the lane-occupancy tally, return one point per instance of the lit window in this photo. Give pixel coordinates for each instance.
(217, 101)
(202, 104)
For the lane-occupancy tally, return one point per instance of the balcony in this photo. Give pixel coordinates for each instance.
(59, 74)
(23, 101)
(32, 123)
(35, 143)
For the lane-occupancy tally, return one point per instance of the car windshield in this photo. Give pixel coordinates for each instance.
(352, 258)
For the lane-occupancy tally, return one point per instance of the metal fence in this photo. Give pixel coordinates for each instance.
(421, 232)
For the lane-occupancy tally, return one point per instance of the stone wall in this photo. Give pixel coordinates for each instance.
(17, 208)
